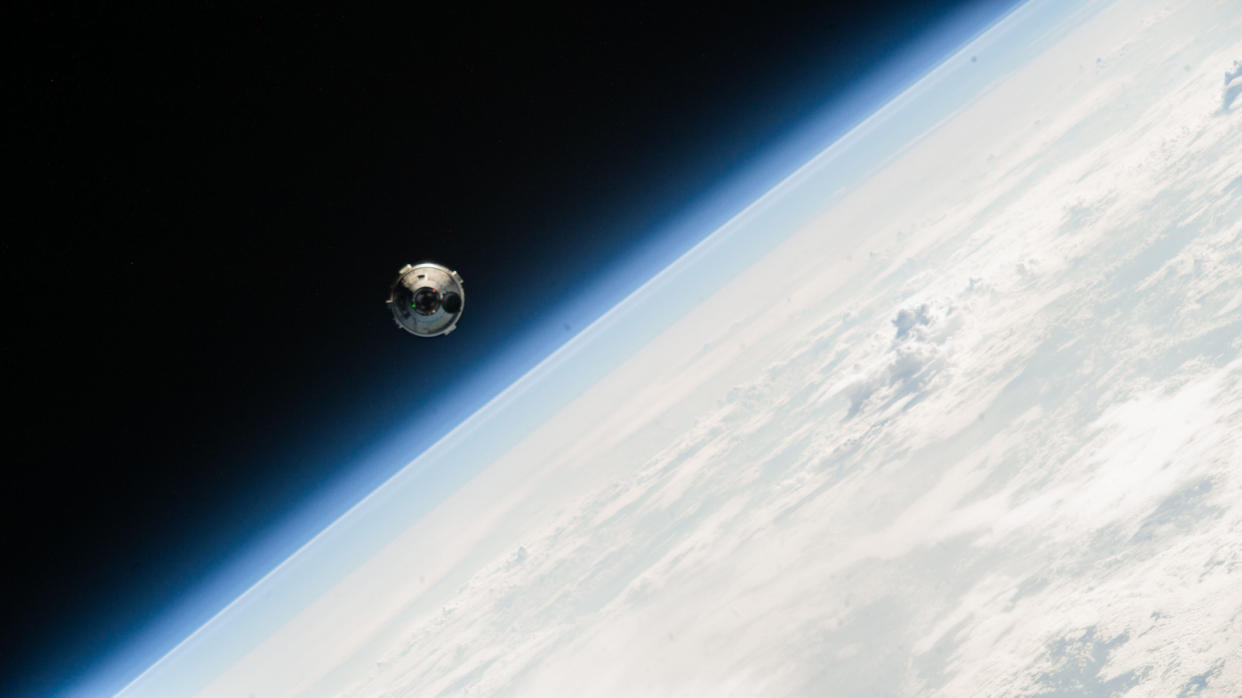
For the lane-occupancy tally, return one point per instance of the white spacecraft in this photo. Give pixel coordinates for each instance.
(427, 299)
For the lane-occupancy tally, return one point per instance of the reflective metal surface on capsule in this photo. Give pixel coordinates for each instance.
(427, 299)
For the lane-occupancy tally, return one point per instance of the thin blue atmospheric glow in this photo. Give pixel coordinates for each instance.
(744, 231)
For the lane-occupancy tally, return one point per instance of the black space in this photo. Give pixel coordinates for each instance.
(211, 203)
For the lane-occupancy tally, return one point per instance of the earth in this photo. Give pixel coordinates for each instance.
(954, 410)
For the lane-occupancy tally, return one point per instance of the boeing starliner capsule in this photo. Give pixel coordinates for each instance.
(427, 299)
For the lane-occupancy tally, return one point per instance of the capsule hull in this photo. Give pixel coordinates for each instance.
(427, 299)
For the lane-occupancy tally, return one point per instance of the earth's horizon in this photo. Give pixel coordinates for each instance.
(955, 410)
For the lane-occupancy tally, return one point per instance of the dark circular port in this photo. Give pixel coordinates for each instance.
(452, 302)
(426, 301)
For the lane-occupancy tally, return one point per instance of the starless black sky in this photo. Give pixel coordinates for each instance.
(212, 202)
